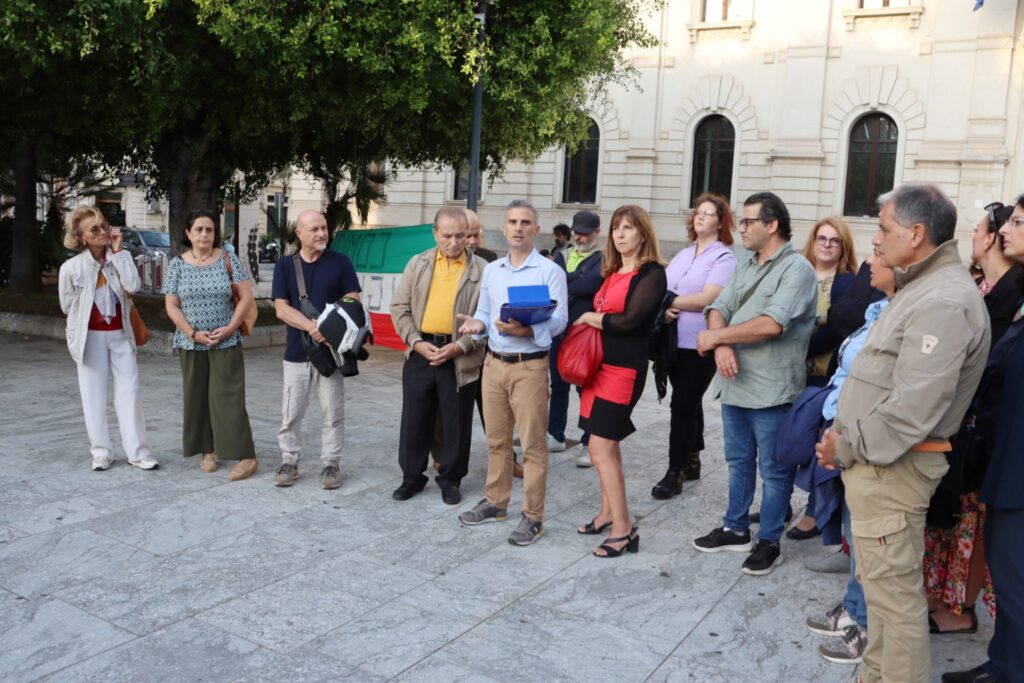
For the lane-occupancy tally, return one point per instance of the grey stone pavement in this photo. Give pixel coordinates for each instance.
(176, 575)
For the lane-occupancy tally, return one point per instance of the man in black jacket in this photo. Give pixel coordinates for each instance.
(582, 265)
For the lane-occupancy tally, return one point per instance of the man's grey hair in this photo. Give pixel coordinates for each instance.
(451, 213)
(926, 204)
(523, 204)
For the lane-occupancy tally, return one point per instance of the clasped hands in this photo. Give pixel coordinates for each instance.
(213, 337)
(725, 357)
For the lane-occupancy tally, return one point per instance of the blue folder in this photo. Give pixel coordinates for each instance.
(528, 305)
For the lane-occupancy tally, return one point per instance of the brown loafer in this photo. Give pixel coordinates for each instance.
(208, 463)
(243, 469)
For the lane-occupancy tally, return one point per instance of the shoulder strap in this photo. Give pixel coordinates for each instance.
(753, 288)
(299, 277)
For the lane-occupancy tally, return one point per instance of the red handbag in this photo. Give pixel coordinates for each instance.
(580, 355)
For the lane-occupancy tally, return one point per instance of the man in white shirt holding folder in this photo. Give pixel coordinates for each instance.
(515, 380)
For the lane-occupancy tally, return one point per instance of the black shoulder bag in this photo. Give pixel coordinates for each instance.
(319, 355)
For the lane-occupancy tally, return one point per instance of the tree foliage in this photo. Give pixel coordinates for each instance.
(195, 91)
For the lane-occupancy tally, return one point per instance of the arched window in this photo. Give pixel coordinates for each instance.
(579, 180)
(713, 148)
(871, 167)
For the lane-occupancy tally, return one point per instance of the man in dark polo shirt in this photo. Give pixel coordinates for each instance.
(328, 276)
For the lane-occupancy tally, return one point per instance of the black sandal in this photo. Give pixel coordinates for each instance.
(632, 545)
(591, 530)
(933, 626)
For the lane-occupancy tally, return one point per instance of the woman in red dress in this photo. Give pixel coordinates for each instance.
(624, 310)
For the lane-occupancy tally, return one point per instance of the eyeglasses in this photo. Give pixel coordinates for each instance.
(747, 222)
(828, 241)
(704, 214)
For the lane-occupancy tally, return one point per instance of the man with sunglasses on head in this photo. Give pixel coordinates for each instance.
(759, 328)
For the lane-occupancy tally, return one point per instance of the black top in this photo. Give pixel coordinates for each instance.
(1000, 421)
(486, 254)
(846, 315)
(626, 334)
(1004, 301)
(329, 278)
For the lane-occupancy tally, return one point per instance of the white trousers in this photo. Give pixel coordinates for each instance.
(300, 381)
(106, 353)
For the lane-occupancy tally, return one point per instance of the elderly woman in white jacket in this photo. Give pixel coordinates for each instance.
(93, 293)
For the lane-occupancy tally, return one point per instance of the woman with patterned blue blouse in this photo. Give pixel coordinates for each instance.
(198, 297)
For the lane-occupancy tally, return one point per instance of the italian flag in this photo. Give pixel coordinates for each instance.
(379, 256)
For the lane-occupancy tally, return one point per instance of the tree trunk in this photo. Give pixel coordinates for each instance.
(26, 271)
(189, 183)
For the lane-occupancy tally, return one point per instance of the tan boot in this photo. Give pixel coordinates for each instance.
(208, 463)
(243, 469)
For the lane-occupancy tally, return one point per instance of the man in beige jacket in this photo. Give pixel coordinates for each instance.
(906, 393)
(441, 368)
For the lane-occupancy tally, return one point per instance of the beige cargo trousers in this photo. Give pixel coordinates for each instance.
(887, 514)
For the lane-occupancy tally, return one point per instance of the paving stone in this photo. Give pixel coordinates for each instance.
(391, 638)
(146, 598)
(46, 563)
(38, 637)
(176, 526)
(189, 651)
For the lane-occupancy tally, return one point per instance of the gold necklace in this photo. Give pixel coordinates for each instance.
(202, 261)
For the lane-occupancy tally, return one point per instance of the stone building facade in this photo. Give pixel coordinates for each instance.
(825, 102)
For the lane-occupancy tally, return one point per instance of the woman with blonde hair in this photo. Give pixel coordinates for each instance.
(829, 248)
(624, 310)
(94, 286)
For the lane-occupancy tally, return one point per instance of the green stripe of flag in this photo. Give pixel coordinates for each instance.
(383, 250)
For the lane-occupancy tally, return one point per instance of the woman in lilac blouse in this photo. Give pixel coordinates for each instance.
(696, 275)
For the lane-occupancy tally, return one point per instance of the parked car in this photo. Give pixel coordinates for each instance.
(146, 242)
(269, 252)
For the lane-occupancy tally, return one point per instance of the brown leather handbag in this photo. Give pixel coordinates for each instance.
(139, 328)
(249, 321)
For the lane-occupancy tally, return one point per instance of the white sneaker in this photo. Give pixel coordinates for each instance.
(583, 459)
(146, 463)
(101, 462)
(554, 445)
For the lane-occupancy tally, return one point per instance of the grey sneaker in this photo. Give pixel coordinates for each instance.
(836, 562)
(286, 474)
(833, 623)
(481, 514)
(101, 463)
(583, 459)
(330, 477)
(847, 650)
(526, 532)
(554, 445)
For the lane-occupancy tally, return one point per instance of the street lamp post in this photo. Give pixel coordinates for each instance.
(478, 106)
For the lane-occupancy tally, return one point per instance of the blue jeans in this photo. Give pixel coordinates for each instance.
(558, 407)
(749, 443)
(853, 601)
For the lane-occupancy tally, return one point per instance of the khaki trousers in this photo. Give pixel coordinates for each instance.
(517, 394)
(887, 512)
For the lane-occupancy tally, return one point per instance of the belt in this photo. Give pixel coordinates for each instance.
(933, 447)
(517, 357)
(436, 339)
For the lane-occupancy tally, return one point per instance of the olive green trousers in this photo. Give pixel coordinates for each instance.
(215, 419)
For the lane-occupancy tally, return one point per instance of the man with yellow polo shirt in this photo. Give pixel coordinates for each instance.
(441, 368)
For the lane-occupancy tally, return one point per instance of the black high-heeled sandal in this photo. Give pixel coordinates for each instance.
(591, 530)
(632, 545)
